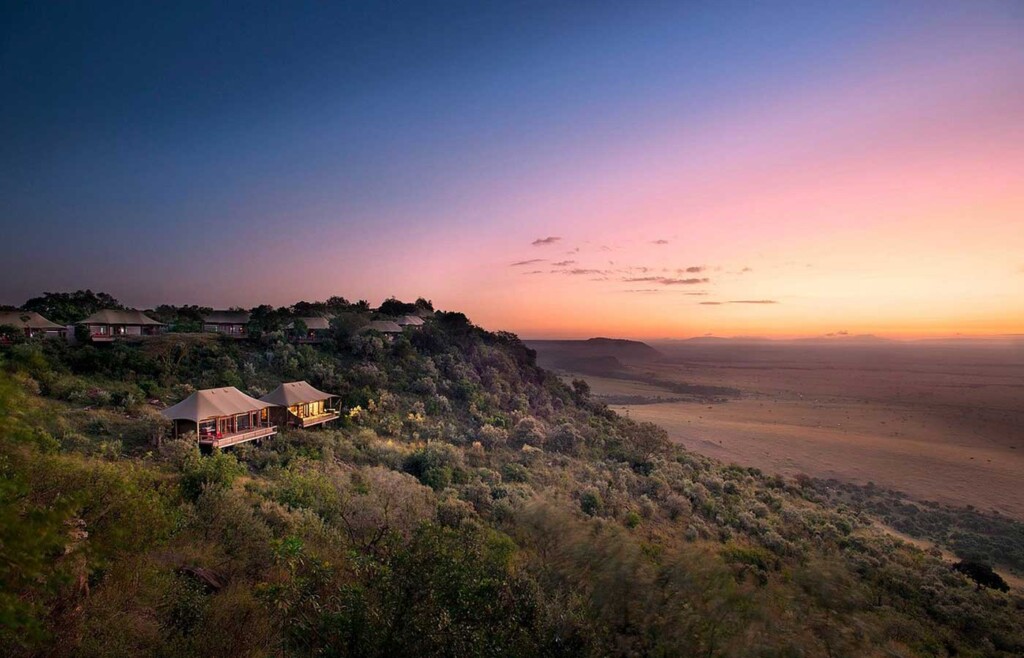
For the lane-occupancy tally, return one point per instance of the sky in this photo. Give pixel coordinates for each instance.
(557, 169)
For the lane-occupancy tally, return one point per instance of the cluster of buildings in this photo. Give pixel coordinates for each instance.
(219, 417)
(223, 417)
(103, 326)
(109, 324)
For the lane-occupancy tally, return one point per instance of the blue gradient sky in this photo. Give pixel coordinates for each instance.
(268, 153)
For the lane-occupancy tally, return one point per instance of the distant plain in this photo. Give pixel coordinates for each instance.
(942, 422)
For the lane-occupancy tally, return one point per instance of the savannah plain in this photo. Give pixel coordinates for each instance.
(937, 421)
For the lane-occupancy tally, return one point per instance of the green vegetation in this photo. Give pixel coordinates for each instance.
(468, 503)
(70, 307)
(968, 532)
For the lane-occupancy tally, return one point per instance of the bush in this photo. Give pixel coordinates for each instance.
(437, 465)
(591, 502)
(528, 431)
(216, 471)
(565, 439)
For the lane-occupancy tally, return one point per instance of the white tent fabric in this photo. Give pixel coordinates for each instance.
(410, 321)
(213, 403)
(114, 316)
(26, 320)
(291, 393)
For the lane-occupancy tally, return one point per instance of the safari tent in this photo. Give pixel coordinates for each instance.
(316, 329)
(108, 324)
(298, 404)
(32, 324)
(230, 323)
(221, 417)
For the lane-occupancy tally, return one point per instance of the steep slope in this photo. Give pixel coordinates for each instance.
(469, 503)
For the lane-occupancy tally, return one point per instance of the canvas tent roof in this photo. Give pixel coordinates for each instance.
(114, 316)
(212, 403)
(226, 317)
(26, 320)
(384, 327)
(291, 393)
(315, 323)
(409, 321)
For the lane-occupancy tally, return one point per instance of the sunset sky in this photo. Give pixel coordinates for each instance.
(635, 169)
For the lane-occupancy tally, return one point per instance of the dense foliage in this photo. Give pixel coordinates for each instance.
(70, 307)
(468, 503)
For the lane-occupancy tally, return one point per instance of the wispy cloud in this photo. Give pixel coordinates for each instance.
(693, 269)
(540, 242)
(667, 281)
(564, 263)
(710, 303)
(753, 301)
(581, 271)
(659, 242)
(527, 262)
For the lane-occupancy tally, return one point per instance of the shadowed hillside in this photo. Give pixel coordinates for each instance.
(468, 503)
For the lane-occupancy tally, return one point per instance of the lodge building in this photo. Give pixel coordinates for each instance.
(230, 323)
(221, 417)
(108, 324)
(297, 404)
(32, 324)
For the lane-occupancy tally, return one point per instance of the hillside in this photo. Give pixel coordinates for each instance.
(469, 503)
(591, 355)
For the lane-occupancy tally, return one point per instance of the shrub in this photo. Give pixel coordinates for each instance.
(591, 502)
(565, 439)
(216, 471)
(492, 437)
(528, 431)
(437, 465)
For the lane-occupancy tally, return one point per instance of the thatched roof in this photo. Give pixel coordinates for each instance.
(114, 316)
(26, 320)
(314, 323)
(384, 327)
(291, 393)
(226, 317)
(213, 403)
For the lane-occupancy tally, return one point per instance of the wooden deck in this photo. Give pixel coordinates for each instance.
(310, 421)
(235, 438)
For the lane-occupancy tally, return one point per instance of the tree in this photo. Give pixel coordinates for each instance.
(266, 318)
(181, 318)
(70, 307)
(375, 503)
(982, 574)
(392, 306)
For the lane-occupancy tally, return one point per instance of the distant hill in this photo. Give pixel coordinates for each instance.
(592, 356)
(828, 339)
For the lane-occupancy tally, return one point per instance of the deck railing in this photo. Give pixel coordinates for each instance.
(235, 438)
(309, 421)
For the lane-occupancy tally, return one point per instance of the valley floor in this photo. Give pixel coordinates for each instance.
(947, 427)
